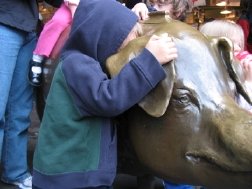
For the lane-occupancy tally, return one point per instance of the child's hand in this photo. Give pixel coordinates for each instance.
(141, 10)
(247, 67)
(162, 47)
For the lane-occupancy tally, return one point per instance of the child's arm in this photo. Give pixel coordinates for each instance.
(72, 5)
(141, 11)
(246, 62)
(247, 68)
(96, 94)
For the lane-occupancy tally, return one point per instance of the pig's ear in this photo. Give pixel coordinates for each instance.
(157, 101)
(116, 62)
(225, 49)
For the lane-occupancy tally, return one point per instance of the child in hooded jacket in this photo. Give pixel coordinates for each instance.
(77, 142)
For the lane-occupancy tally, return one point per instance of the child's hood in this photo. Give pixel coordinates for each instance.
(99, 28)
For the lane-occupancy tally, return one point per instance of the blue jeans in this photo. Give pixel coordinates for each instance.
(16, 97)
(169, 185)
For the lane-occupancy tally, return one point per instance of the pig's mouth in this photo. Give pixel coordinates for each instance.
(222, 162)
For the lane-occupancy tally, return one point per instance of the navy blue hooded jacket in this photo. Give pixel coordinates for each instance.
(77, 141)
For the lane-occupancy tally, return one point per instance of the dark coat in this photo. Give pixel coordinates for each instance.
(19, 14)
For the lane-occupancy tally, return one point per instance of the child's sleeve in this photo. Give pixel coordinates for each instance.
(95, 94)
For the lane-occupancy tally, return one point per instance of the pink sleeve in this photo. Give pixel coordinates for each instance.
(242, 55)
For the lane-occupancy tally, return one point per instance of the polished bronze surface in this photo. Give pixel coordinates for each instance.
(203, 137)
(190, 128)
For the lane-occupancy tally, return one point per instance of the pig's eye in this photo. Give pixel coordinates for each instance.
(182, 100)
(181, 97)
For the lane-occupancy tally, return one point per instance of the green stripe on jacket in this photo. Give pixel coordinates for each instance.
(67, 141)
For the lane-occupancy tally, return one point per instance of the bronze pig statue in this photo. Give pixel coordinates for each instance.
(190, 128)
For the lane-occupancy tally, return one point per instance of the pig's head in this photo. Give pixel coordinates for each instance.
(190, 129)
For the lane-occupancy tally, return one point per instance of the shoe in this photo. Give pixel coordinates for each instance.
(24, 184)
(35, 73)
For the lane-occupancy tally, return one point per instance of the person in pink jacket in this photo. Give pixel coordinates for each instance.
(61, 19)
